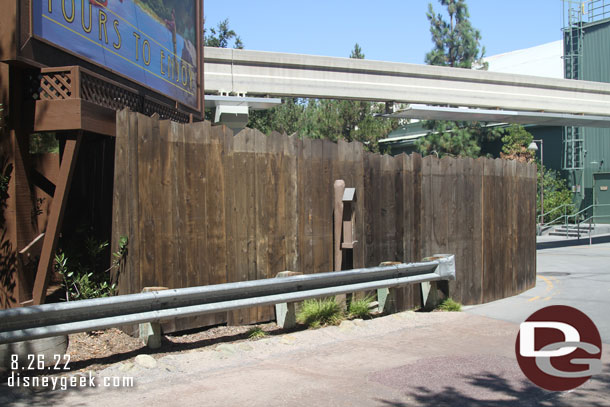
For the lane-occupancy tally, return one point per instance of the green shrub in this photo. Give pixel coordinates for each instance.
(360, 308)
(450, 305)
(80, 262)
(256, 333)
(315, 313)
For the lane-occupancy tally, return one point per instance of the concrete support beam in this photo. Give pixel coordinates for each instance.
(279, 74)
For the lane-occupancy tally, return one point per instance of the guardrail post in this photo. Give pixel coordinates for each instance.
(150, 332)
(286, 313)
(386, 297)
(431, 293)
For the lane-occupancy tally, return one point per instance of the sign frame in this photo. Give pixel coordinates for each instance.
(28, 51)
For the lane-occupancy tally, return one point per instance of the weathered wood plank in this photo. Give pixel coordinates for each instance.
(367, 237)
(263, 213)
(511, 220)
(276, 204)
(306, 179)
(148, 176)
(121, 216)
(361, 193)
(475, 295)
(290, 167)
(417, 214)
(386, 224)
(317, 210)
(245, 218)
(179, 223)
(194, 226)
(163, 183)
(133, 173)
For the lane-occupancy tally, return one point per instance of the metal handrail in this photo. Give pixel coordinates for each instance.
(584, 210)
(544, 215)
(41, 321)
(566, 218)
(553, 222)
(590, 218)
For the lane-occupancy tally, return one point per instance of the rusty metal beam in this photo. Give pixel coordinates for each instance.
(58, 207)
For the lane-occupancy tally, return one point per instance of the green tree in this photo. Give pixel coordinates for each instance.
(357, 52)
(556, 192)
(516, 141)
(221, 36)
(289, 117)
(456, 138)
(329, 118)
(456, 44)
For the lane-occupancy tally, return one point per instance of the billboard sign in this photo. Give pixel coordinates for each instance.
(152, 42)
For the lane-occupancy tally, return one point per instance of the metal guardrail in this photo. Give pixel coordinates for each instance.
(48, 320)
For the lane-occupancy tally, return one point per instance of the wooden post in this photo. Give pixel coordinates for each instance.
(339, 188)
(19, 227)
(58, 207)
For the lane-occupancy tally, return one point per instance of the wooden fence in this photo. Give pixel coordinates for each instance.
(201, 206)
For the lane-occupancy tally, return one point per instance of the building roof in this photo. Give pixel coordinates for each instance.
(542, 60)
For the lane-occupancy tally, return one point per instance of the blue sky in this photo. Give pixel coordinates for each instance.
(390, 30)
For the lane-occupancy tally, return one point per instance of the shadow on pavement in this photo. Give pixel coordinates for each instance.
(507, 395)
(26, 396)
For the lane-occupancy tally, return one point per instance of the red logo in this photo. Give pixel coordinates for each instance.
(559, 348)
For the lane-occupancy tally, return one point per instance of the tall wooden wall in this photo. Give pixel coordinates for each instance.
(201, 206)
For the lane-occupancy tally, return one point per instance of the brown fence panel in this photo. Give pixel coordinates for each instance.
(201, 206)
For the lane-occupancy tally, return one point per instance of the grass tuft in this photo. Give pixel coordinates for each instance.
(316, 313)
(256, 333)
(360, 308)
(450, 305)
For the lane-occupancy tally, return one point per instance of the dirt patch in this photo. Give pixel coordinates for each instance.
(98, 349)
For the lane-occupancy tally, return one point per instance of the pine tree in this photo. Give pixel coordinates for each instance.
(329, 119)
(357, 52)
(456, 44)
(221, 35)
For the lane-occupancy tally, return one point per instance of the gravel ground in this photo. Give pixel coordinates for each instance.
(98, 349)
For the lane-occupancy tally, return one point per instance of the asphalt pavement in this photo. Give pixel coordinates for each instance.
(577, 276)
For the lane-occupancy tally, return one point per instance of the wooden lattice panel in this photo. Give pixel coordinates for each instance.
(77, 82)
(165, 112)
(107, 94)
(56, 85)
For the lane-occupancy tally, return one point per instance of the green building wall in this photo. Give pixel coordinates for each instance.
(595, 66)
